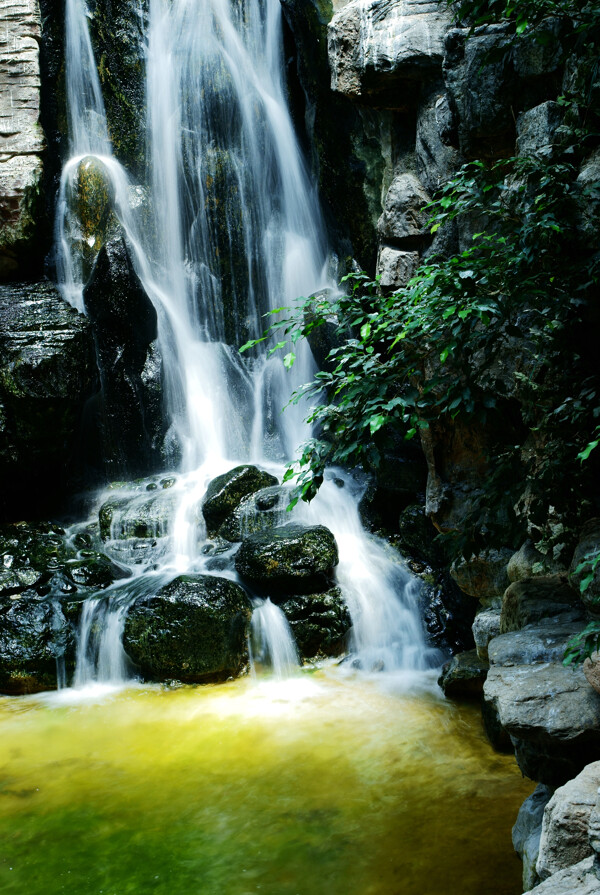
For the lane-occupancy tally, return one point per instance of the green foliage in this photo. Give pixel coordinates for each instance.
(583, 645)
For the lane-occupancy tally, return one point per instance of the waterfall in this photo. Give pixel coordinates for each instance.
(237, 232)
(271, 641)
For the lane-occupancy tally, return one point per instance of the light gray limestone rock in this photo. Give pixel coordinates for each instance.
(395, 267)
(404, 213)
(376, 43)
(21, 136)
(579, 879)
(564, 838)
(485, 627)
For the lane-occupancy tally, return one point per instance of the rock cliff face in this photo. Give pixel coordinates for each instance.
(21, 138)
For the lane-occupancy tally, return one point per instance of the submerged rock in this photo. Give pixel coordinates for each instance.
(226, 492)
(194, 629)
(320, 623)
(291, 559)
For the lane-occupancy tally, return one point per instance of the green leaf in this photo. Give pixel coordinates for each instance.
(376, 422)
(365, 331)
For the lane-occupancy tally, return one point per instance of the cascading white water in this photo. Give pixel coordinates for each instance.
(237, 232)
(271, 641)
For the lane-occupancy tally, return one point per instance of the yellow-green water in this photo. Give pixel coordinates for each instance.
(317, 786)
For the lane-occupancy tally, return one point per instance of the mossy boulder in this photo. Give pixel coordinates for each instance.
(34, 634)
(90, 200)
(291, 559)
(320, 623)
(261, 511)
(194, 629)
(225, 493)
(137, 516)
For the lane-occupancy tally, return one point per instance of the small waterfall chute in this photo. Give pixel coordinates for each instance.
(271, 642)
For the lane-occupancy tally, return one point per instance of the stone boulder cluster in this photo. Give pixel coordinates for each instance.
(192, 628)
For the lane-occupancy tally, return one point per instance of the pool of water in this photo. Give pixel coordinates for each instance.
(320, 784)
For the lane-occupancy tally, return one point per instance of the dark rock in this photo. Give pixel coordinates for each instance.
(483, 576)
(489, 78)
(34, 633)
(125, 328)
(260, 511)
(463, 676)
(528, 562)
(436, 157)
(533, 599)
(527, 831)
(291, 559)
(225, 493)
(47, 373)
(538, 131)
(194, 630)
(543, 642)
(36, 557)
(320, 623)
(446, 611)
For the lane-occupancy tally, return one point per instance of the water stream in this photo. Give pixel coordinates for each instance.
(236, 231)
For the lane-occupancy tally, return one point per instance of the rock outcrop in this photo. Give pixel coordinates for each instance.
(21, 140)
(47, 374)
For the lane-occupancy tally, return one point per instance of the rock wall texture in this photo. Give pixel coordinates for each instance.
(21, 137)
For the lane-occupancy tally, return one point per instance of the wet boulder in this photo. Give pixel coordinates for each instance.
(291, 559)
(36, 557)
(136, 512)
(194, 629)
(226, 492)
(34, 635)
(527, 831)
(261, 511)
(320, 623)
(125, 328)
